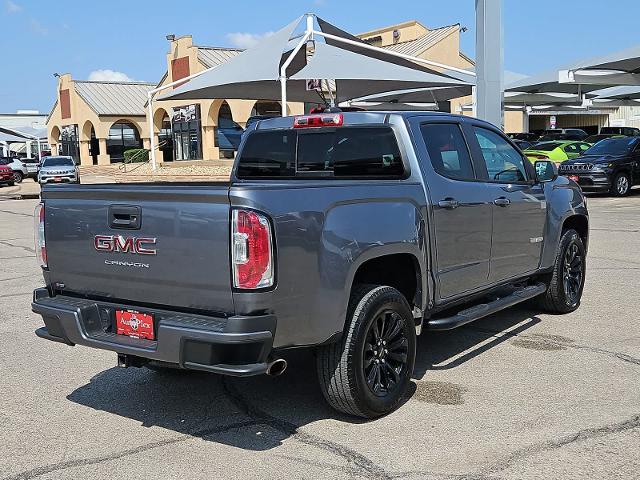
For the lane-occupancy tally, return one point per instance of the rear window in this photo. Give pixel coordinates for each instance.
(327, 152)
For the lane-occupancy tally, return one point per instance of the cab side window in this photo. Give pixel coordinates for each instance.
(448, 150)
(504, 163)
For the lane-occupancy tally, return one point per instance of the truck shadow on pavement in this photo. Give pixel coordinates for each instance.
(259, 413)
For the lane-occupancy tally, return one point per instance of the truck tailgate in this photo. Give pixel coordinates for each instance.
(97, 248)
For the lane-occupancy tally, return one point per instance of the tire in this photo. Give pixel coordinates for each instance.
(17, 177)
(11, 183)
(35, 179)
(621, 185)
(557, 299)
(347, 369)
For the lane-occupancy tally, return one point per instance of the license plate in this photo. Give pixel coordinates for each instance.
(575, 178)
(134, 324)
(57, 179)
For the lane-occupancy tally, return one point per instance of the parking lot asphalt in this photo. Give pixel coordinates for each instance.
(520, 394)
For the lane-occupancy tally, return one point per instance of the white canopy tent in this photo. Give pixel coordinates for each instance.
(277, 70)
(618, 68)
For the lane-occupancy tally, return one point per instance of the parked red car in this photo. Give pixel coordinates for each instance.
(6, 175)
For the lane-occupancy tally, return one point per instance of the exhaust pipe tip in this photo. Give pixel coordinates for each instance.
(276, 367)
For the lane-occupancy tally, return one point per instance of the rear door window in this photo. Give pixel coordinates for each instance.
(448, 150)
(328, 152)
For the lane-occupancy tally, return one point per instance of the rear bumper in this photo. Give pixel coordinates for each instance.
(236, 345)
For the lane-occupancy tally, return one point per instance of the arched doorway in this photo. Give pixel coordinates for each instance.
(262, 107)
(69, 142)
(162, 125)
(186, 127)
(123, 136)
(228, 133)
(89, 135)
(53, 140)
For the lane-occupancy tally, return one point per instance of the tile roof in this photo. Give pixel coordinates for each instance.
(213, 56)
(420, 44)
(114, 98)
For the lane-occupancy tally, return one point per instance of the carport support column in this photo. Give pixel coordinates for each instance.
(489, 61)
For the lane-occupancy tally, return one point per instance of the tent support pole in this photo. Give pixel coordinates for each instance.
(283, 69)
(283, 94)
(152, 146)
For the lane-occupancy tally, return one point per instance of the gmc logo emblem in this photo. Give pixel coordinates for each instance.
(118, 243)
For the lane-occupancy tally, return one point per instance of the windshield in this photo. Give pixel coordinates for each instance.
(58, 162)
(612, 146)
(4, 161)
(546, 147)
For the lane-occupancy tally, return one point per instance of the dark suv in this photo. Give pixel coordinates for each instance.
(611, 165)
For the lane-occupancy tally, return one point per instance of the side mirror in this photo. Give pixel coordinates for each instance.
(546, 171)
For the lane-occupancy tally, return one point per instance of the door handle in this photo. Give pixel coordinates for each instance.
(502, 202)
(126, 217)
(449, 203)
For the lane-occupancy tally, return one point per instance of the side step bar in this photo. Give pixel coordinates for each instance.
(482, 310)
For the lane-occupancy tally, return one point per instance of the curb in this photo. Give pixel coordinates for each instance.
(19, 196)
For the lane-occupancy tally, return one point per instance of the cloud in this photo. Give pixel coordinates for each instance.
(37, 27)
(11, 7)
(107, 75)
(320, 3)
(246, 40)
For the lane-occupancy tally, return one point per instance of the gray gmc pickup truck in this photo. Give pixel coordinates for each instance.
(349, 233)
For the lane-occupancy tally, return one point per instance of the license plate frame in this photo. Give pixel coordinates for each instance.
(135, 324)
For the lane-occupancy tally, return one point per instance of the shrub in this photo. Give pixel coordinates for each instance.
(136, 155)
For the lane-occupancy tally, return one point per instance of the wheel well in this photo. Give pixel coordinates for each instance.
(400, 271)
(580, 224)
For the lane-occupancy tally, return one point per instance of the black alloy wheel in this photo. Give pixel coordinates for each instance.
(385, 353)
(573, 273)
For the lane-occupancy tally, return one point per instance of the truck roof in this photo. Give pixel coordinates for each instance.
(355, 118)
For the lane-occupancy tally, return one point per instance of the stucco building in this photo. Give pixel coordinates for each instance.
(96, 122)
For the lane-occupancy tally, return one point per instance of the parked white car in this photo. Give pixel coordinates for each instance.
(58, 169)
(20, 169)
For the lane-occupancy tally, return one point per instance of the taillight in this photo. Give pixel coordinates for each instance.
(321, 120)
(41, 247)
(251, 250)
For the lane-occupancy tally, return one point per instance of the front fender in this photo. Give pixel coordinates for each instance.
(564, 200)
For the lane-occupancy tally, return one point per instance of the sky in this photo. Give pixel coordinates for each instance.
(125, 39)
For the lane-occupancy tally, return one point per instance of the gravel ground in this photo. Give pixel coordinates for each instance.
(519, 395)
